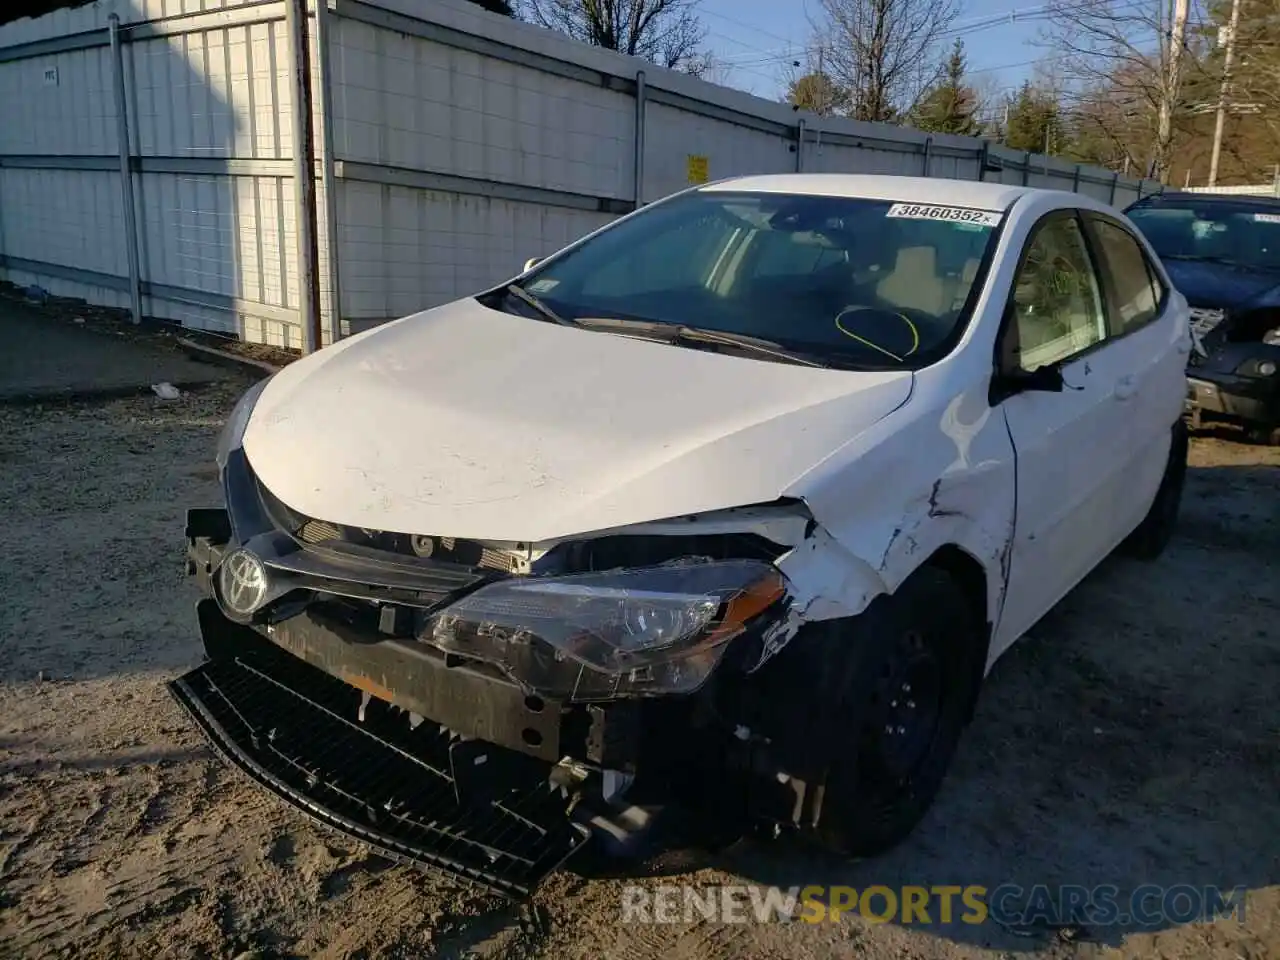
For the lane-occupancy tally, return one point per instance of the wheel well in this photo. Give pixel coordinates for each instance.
(969, 575)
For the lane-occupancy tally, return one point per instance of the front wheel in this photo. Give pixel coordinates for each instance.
(910, 682)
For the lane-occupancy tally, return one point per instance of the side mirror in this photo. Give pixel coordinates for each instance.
(531, 263)
(1042, 380)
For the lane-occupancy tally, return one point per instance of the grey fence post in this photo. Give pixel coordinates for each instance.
(1115, 179)
(304, 174)
(642, 99)
(327, 175)
(928, 150)
(126, 168)
(1075, 181)
(983, 155)
(800, 145)
(1026, 168)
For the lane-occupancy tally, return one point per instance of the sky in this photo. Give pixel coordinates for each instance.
(758, 39)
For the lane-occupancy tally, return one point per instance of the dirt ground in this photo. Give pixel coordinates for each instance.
(1131, 739)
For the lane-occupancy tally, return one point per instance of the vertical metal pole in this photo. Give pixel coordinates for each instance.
(1026, 168)
(1075, 181)
(641, 101)
(1115, 180)
(304, 174)
(928, 150)
(327, 175)
(1275, 180)
(982, 160)
(126, 169)
(800, 146)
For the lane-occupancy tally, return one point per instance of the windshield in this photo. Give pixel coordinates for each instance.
(1215, 231)
(853, 282)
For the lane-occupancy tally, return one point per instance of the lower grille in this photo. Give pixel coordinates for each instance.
(293, 730)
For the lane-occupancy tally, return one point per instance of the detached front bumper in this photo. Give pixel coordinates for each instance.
(414, 794)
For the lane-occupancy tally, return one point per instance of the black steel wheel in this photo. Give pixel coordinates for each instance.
(908, 693)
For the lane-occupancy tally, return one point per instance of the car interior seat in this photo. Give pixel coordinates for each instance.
(914, 284)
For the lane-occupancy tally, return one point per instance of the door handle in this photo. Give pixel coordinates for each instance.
(1126, 387)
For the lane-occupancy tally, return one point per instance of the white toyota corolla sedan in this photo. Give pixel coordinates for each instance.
(726, 508)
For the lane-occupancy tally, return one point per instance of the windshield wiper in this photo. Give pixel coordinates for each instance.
(1205, 258)
(529, 300)
(753, 344)
(675, 333)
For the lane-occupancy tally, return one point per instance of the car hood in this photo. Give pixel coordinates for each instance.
(1220, 285)
(468, 422)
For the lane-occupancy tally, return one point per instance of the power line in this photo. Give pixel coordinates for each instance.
(746, 26)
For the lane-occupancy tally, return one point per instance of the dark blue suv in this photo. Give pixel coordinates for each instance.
(1223, 253)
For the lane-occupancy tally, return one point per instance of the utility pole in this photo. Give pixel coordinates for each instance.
(1173, 86)
(1223, 91)
(822, 83)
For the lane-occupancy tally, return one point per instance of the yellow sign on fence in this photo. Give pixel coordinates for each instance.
(697, 167)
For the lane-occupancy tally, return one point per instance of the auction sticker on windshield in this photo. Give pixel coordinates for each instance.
(1266, 218)
(917, 211)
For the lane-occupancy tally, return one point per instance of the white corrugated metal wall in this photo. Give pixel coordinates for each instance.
(209, 114)
(459, 144)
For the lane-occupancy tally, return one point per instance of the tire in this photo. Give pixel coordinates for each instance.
(909, 682)
(1152, 535)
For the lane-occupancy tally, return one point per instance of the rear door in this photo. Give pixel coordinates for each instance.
(1076, 449)
(1156, 343)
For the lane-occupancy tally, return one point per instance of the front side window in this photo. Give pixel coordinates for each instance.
(854, 282)
(1057, 300)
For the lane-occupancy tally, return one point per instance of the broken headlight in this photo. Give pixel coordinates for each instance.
(652, 629)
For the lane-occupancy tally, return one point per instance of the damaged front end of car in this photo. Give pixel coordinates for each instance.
(486, 709)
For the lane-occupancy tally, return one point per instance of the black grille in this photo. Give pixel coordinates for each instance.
(294, 730)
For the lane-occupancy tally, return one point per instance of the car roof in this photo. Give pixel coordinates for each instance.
(1194, 196)
(931, 190)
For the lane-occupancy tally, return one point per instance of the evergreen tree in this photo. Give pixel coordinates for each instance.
(1034, 122)
(950, 106)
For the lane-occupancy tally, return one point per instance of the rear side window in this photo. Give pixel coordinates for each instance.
(1133, 290)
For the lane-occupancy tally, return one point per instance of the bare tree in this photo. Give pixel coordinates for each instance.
(885, 53)
(1139, 52)
(665, 32)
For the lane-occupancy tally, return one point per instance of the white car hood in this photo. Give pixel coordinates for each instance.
(468, 422)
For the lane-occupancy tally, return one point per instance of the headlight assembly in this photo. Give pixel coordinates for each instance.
(655, 630)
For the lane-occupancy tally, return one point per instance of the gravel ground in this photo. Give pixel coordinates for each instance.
(1132, 739)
